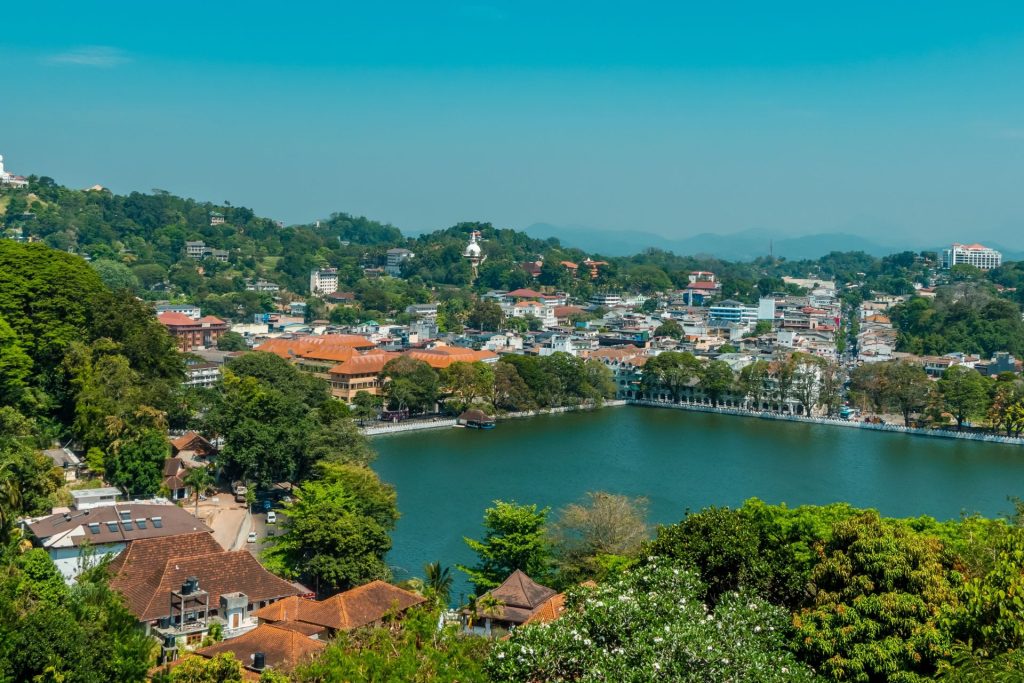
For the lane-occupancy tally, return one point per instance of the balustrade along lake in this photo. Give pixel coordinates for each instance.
(678, 460)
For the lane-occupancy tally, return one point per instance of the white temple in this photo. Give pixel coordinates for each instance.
(9, 178)
(474, 253)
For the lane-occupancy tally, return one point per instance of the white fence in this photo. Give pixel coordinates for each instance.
(834, 421)
(415, 425)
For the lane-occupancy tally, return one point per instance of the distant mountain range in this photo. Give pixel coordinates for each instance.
(739, 246)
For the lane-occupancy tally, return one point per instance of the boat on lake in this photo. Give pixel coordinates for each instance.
(475, 419)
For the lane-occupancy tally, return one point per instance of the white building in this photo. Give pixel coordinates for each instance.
(10, 179)
(190, 310)
(976, 255)
(395, 259)
(323, 281)
(195, 249)
(729, 312)
(606, 299)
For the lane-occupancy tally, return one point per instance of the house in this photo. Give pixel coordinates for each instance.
(268, 646)
(361, 372)
(362, 606)
(189, 310)
(201, 375)
(174, 479)
(178, 586)
(440, 357)
(66, 460)
(518, 597)
(106, 529)
(192, 449)
(193, 334)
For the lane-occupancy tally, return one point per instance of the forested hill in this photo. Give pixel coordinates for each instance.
(137, 242)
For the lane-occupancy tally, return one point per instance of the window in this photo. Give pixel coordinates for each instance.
(112, 526)
(141, 522)
(127, 524)
(94, 527)
(158, 522)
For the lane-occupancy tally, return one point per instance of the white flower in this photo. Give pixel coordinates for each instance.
(658, 639)
(501, 655)
(757, 629)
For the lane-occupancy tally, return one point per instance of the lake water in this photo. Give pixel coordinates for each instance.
(678, 460)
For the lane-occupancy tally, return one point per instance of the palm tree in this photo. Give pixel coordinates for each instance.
(200, 481)
(439, 581)
(490, 606)
(10, 497)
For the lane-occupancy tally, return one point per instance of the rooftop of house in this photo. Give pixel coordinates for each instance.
(520, 596)
(345, 611)
(149, 570)
(316, 347)
(524, 294)
(282, 648)
(116, 523)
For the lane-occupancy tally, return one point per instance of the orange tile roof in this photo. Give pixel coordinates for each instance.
(442, 356)
(175, 319)
(363, 364)
(283, 648)
(148, 570)
(336, 347)
(524, 294)
(345, 611)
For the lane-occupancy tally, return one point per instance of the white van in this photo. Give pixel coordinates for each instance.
(271, 517)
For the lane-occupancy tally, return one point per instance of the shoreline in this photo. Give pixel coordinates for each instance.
(437, 423)
(833, 422)
(411, 426)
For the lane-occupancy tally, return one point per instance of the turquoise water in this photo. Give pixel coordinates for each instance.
(679, 460)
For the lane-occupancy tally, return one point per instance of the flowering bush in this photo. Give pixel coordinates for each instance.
(649, 625)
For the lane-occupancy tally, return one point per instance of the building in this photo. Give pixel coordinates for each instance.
(216, 218)
(201, 375)
(177, 586)
(518, 597)
(195, 249)
(66, 460)
(474, 252)
(268, 646)
(362, 606)
(606, 299)
(262, 285)
(976, 255)
(395, 259)
(193, 334)
(9, 179)
(729, 312)
(323, 281)
(361, 372)
(106, 528)
(189, 310)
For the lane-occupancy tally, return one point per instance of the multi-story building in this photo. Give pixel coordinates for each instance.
(395, 259)
(203, 375)
(606, 299)
(323, 281)
(195, 249)
(191, 310)
(976, 255)
(193, 334)
(730, 312)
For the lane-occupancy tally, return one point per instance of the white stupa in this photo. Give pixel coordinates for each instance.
(473, 252)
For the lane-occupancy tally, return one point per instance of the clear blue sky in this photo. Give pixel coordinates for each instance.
(900, 120)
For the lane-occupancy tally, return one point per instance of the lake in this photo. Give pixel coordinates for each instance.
(678, 460)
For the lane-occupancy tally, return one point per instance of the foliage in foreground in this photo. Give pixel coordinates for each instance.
(651, 624)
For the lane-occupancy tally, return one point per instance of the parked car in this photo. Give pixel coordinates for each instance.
(271, 517)
(252, 537)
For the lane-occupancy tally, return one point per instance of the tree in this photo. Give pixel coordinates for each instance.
(908, 386)
(199, 480)
(670, 328)
(879, 591)
(224, 668)
(670, 371)
(963, 392)
(116, 275)
(409, 383)
(337, 533)
(485, 315)
(807, 370)
(510, 391)
(231, 341)
(649, 624)
(438, 581)
(587, 535)
(515, 538)
(753, 381)
(716, 379)
(366, 406)
(467, 382)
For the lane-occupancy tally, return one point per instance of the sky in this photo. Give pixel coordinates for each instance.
(902, 122)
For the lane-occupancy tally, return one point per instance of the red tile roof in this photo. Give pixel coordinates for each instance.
(175, 319)
(524, 294)
(148, 570)
(354, 608)
(520, 596)
(282, 648)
